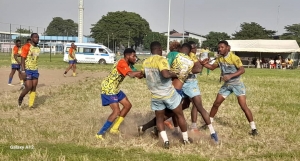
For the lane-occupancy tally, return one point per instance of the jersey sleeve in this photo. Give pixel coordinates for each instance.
(15, 50)
(163, 64)
(193, 57)
(170, 57)
(216, 62)
(25, 51)
(237, 62)
(123, 67)
(70, 51)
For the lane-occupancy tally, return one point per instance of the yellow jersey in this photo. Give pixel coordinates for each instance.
(110, 85)
(182, 65)
(31, 54)
(73, 53)
(160, 87)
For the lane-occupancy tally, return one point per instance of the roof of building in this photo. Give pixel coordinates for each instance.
(270, 46)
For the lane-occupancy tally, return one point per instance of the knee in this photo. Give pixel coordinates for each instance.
(216, 104)
(128, 106)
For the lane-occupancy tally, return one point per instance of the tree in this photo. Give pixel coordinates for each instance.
(23, 31)
(213, 38)
(293, 33)
(191, 39)
(122, 27)
(61, 27)
(253, 31)
(155, 36)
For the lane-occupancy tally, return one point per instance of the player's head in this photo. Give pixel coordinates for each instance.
(223, 47)
(18, 43)
(194, 46)
(155, 48)
(186, 48)
(130, 55)
(72, 45)
(174, 46)
(35, 38)
(28, 40)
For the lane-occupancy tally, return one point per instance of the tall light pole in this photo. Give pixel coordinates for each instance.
(278, 18)
(80, 21)
(183, 20)
(168, 43)
(129, 39)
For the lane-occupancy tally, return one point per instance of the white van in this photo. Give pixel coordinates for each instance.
(91, 53)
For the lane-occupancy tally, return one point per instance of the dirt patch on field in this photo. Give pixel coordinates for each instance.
(48, 77)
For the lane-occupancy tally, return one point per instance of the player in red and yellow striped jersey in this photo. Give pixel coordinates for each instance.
(15, 62)
(29, 68)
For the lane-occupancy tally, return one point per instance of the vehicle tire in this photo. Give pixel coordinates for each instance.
(102, 61)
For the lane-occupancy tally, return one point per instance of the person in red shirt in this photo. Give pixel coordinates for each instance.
(15, 62)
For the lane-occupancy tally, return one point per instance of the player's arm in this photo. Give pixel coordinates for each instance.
(164, 69)
(206, 64)
(70, 53)
(197, 68)
(24, 54)
(16, 55)
(125, 70)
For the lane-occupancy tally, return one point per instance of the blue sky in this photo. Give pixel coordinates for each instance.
(200, 16)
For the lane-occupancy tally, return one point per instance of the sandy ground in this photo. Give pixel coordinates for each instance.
(48, 77)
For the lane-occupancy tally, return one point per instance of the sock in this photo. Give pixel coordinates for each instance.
(194, 125)
(22, 82)
(211, 119)
(74, 74)
(149, 124)
(185, 136)
(31, 99)
(9, 80)
(105, 127)
(117, 123)
(211, 129)
(252, 124)
(65, 72)
(164, 136)
(177, 129)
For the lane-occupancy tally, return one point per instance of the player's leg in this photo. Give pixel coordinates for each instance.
(126, 108)
(32, 92)
(28, 87)
(11, 74)
(160, 118)
(74, 69)
(207, 71)
(21, 79)
(240, 92)
(68, 68)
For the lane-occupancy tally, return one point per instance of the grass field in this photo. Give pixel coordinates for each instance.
(67, 117)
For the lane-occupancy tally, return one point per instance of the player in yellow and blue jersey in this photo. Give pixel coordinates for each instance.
(231, 70)
(72, 60)
(111, 95)
(29, 68)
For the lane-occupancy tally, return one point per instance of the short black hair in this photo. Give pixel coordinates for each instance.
(128, 51)
(18, 40)
(192, 43)
(223, 42)
(154, 44)
(28, 40)
(33, 34)
(187, 45)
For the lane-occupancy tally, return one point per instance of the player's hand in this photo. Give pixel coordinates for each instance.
(226, 77)
(23, 75)
(204, 61)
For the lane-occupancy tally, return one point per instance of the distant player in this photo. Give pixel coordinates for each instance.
(111, 95)
(72, 60)
(231, 70)
(204, 54)
(15, 63)
(29, 68)
(164, 95)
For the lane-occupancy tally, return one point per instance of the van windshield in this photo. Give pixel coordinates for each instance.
(107, 49)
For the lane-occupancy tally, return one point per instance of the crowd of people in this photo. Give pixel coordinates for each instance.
(274, 63)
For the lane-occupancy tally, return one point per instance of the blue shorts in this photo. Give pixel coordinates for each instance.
(109, 99)
(191, 89)
(32, 74)
(15, 66)
(180, 92)
(170, 103)
(237, 89)
(72, 62)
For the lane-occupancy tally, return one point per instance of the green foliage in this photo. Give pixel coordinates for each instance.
(191, 39)
(23, 31)
(293, 33)
(212, 39)
(253, 31)
(155, 36)
(23, 39)
(61, 27)
(122, 27)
